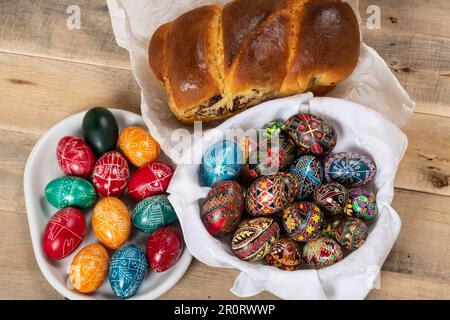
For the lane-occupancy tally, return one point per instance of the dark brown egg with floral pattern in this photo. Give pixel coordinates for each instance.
(332, 198)
(285, 255)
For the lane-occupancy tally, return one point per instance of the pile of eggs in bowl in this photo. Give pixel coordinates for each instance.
(291, 204)
(99, 177)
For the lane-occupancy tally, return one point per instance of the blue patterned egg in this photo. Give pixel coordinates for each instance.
(349, 169)
(222, 161)
(127, 271)
(152, 213)
(308, 172)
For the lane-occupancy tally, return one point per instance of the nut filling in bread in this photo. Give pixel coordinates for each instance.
(217, 61)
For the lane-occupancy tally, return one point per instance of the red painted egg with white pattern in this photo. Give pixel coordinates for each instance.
(111, 174)
(151, 180)
(75, 157)
(63, 233)
(164, 248)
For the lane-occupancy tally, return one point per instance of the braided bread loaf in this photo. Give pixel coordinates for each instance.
(217, 61)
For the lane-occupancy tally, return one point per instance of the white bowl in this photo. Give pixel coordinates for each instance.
(41, 168)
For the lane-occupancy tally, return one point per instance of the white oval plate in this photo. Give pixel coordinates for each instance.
(41, 168)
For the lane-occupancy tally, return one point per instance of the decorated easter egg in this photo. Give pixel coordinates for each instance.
(270, 194)
(222, 210)
(308, 173)
(127, 271)
(100, 130)
(152, 213)
(361, 203)
(63, 233)
(311, 133)
(349, 169)
(89, 268)
(75, 157)
(332, 198)
(138, 146)
(222, 161)
(351, 233)
(70, 192)
(273, 128)
(285, 254)
(329, 228)
(111, 222)
(253, 239)
(111, 174)
(150, 180)
(164, 248)
(322, 252)
(302, 221)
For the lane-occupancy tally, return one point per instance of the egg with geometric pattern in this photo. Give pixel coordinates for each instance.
(285, 254)
(150, 180)
(111, 174)
(153, 213)
(138, 146)
(322, 252)
(332, 198)
(308, 173)
(351, 233)
(302, 221)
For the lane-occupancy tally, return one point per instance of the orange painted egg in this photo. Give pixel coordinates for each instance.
(138, 146)
(111, 222)
(89, 268)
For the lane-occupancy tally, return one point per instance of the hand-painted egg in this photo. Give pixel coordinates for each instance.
(362, 204)
(111, 174)
(311, 133)
(329, 228)
(151, 180)
(332, 198)
(89, 268)
(351, 233)
(253, 239)
(75, 157)
(322, 252)
(270, 194)
(70, 192)
(63, 233)
(285, 255)
(164, 248)
(308, 173)
(302, 221)
(223, 208)
(222, 161)
(153, 213)
(111, 222)
(349, 169)
(138, 146)
(128, 269)
(273, 128)
(100, 130)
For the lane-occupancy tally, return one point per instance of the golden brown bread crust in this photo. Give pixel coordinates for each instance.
(215, 62)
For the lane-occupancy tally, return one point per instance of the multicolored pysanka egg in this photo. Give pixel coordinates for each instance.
(111, 174)
(222, 161)
(63, 233)
(70, 192)
(302, 221)
(222, 210)
(311, 133)
(349, 169)
(89, 268)
(164, 248)
(270, 194)
(152, 213)
(361, 203)
(138, 146)
(111, 222)
(128, 269)
(75, 157)
(308, 173)
(273, 128)
(322, 252)
(253, 239)
(332, 198)
(351, 233)
(285, 254)
(151, 180)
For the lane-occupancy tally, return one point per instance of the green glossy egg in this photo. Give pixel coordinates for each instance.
(153, 213)
(70, 192)
(100, 130)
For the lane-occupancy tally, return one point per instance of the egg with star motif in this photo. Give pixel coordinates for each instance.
(351, 233)
(331, 197)
(138, 146)
(285, 254)
(150, 180)
(322, 252)
(75, 157)
(111, 174)
(164, 248)
(308, 173)
(362, 204)
(302, 221)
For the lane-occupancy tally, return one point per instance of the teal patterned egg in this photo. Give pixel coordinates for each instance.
(70, 192)
(153, 213)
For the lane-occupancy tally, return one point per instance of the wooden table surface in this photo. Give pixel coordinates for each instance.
(48, 72)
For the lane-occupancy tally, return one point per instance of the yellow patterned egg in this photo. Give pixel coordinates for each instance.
(138, 146)
(111, 222)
